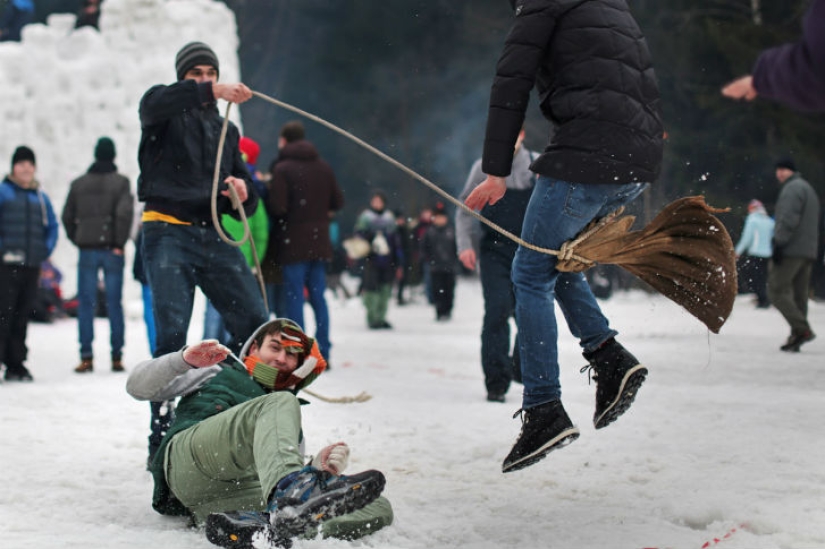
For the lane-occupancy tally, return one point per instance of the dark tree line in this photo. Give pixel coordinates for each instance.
(412, 77)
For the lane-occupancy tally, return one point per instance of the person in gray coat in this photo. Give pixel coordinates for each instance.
(794, 251)
(97, 217)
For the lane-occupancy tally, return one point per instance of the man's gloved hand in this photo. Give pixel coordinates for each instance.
(333, 459)
(206, 353)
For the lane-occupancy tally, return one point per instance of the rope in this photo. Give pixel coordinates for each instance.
(568, 249)
(360, 397)
(566, 253)
(237, 205)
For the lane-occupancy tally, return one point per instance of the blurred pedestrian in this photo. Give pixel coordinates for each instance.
(481, 246)
(97, 217)
(438, 250)
(16, 15)
(407, 240)
(754, 251)
(376, 225)
(303, 196)
(28, 235)
(89, 14)
(795, 242)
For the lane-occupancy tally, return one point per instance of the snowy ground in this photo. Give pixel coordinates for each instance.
(723, 443)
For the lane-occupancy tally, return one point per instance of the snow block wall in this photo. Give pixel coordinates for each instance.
(63, 88)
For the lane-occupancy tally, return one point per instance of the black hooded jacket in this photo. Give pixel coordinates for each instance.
(591, 66)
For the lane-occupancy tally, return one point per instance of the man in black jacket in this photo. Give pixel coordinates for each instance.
(181, 130)
(592, 69)
(97, 217)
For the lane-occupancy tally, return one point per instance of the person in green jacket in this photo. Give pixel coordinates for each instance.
(233, 457)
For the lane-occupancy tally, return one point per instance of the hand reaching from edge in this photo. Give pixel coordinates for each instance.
(741, 88)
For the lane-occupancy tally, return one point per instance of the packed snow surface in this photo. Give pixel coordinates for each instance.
(723, 442)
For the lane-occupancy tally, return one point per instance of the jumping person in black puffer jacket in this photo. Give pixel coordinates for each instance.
(590, 64)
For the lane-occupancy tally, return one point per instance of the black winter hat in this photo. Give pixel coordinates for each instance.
(787, 163)
(21, 154)
(192, 55)
(105, 150)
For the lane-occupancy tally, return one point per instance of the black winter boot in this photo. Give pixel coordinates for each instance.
(544, 428)
(618, 376)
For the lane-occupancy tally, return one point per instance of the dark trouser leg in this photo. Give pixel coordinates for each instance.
(788, 290)
(18, 292)
(499, 307)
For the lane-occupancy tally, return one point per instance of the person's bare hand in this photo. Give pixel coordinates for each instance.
(240, 188)
(468, 258)
(206, 353)
(234, 93)
(741, 88)
(489, 192)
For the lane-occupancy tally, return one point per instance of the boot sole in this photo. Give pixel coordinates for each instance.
(631, 382)
(559, 441)
(224, 531)
(290, 521)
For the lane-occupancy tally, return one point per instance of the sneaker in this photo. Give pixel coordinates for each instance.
(20, 373)
(117, 365)
(86, 366)
(618, 376)
(544, 428)
(242, 530)
(495, 397)
(796, 340)
(307, 497)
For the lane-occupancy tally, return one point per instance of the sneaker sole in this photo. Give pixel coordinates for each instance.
(631, 382)
(224, 531)
(559, 441)
(291, 521)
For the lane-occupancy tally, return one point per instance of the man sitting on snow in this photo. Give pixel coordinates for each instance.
(233, 455)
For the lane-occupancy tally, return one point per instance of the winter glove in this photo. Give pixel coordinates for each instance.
(332, 459)
(204, 354)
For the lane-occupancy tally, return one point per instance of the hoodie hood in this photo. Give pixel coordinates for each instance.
(310, 367)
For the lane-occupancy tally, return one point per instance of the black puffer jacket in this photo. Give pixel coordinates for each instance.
(181, 130)
(592, 68)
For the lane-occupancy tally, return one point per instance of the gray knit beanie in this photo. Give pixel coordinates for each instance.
(192, 55)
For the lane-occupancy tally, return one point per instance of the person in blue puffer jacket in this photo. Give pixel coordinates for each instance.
(28, 234)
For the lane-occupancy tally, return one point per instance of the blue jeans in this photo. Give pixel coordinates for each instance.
(276, 297)
(557, 212)
(180, 257)
(213, 324)
(91, 262)
(311, 275)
